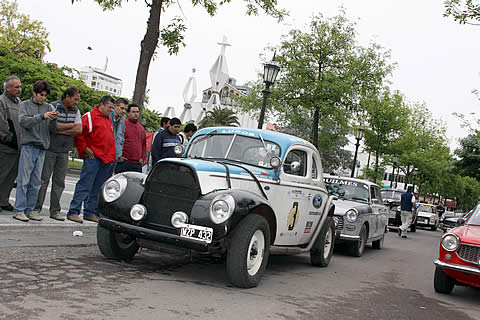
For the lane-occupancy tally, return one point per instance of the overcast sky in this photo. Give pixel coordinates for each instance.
(438, 59)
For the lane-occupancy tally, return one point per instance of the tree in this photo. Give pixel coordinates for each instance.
(20, 34)
(219, 117)
(172, 35)
(469, 155)
(463, 11)
(324, 73)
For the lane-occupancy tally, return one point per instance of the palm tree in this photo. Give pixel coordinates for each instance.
(219, 117)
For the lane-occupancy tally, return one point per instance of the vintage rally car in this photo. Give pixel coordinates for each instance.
(391, 198)
(459, 258)
(360, 215)
(427, 216)
(239, 193)
(449, 219)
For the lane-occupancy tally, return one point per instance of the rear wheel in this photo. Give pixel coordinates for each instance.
(322, 249)
(116, 245)
(413, 227)
(442, 283)
(357, 248)
(433, 228)
(378, 244)
(248, 252)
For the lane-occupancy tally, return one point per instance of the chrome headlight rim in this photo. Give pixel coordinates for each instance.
(179, 218)
(351, 215)
(122, 185)
(138, 212)
(450, 237)
(225, 200)
(179, 150)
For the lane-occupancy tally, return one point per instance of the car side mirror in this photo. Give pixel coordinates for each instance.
(375, 201)
(460, 222)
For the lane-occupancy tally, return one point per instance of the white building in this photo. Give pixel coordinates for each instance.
(97, 79)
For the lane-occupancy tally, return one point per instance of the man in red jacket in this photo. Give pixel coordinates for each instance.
(96, 146)
(135, 143)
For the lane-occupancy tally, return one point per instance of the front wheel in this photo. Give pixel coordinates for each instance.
(248, 251)
(114, 245)
(442, 283)
(357, 248)
(413, 227)
(433, 228)
(322, 249)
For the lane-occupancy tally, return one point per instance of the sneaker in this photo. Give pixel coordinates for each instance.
(75, 218)
(57, 216)
(7, 207)
(91, 218)
(20, 216)
(35, 215)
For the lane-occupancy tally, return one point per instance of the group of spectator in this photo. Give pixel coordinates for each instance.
(36, 138)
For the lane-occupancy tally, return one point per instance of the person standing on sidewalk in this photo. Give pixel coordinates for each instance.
(69, 125)
(135, 145)
(407, 206)
(96, 146)
(9, 139)
(165, 142)
(118, 121)
(37, 121)
(187, 133)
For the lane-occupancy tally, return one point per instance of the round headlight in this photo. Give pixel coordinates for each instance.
(433, 216)
(275, 162)
(179, 218)
(351, 215)
(221, 208)
(138, 212)
(114, 187)
(450, 242)
(178, 149)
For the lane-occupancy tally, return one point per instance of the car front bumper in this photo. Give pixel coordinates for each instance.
(458, 267)
(153, 235)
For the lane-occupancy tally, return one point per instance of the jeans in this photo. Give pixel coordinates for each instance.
(55, 163)
(28, 180)
(8, 174)
(128, 166)
(94, 173)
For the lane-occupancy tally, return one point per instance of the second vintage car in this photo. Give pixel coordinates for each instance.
(427, 216)
(360, 215)
(238, 193)
(391, 198)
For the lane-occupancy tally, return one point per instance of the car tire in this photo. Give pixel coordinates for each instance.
(248, 251)
(322, 249)
(413, 227)
(378, 244)
(357, 248)
(114, 245)
(433, 228)
(442, 283)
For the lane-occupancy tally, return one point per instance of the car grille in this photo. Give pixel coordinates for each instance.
(469, 253)
(169, 188)
(338, 222)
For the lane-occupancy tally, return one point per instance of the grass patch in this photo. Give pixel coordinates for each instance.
(75, 164)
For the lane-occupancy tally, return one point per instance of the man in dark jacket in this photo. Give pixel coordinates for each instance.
(55, 165)
(407, 206)
(37, 121)
(9, 138)
(164, 143)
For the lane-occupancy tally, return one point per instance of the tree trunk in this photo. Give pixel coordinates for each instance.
(148, 46)
(316, 120)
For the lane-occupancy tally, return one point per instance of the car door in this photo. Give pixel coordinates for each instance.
(380, 212)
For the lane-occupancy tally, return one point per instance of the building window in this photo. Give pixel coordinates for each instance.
(93, 83)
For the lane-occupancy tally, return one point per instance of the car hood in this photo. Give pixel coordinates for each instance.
(342, 206)
(468, 234)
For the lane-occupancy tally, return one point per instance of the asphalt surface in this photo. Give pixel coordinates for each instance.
(47, 273)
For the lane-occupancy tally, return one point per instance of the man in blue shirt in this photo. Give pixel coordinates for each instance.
(407, 205)
(164, 143)
(117, 117)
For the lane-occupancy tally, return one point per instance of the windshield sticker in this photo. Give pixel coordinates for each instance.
(308, 227)
(317, 201)
(236, 131)
(293, 216)
(338, 181)
(295, 194)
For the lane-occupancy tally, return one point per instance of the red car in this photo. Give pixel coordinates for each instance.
(459, 259)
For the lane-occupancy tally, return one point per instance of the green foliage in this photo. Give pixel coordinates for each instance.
(469, 155)
(219, 117)
(20, 34)
(29, 70)
(463, 11)
(151, 119)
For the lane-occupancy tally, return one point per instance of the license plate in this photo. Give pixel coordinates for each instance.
(192, 231)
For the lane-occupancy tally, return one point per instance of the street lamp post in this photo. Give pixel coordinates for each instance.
(394, 163)
(415, 171)
(358, 136)
(270, 72)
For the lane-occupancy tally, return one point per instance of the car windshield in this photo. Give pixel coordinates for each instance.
(391, 194)
(240, 148)
(426, 208)
(474, 219)
(346, 189)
